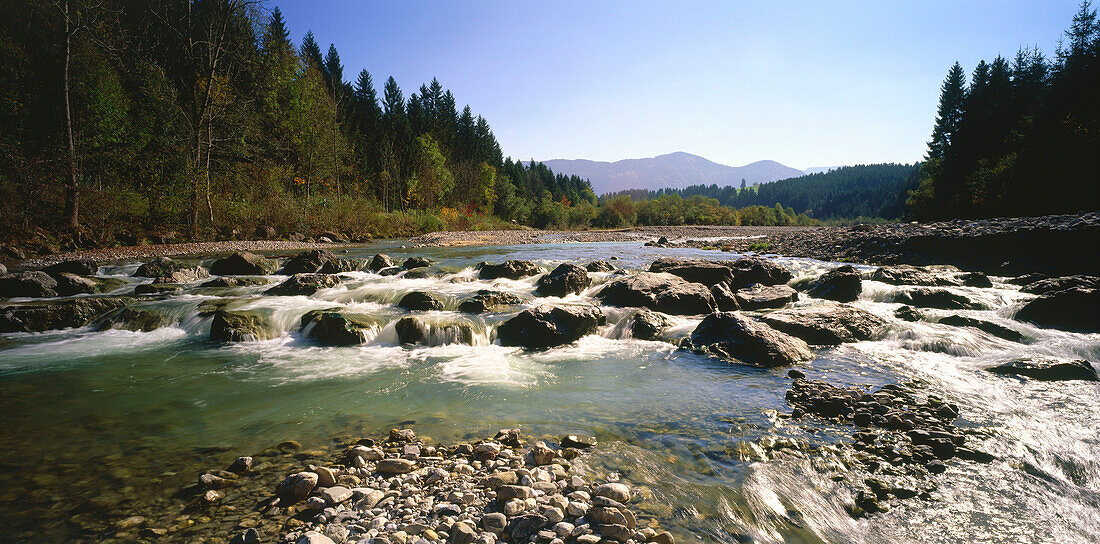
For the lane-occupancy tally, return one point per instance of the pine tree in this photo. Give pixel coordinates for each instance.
(949, 115)
(311, 52)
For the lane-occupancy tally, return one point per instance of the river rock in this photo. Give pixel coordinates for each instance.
(336, 494)
(132, 319)
(708, 273)
(827, 325)
(240, 326)
(904, 274)
(511, 269)
(32, 283)
(1075, 309)
(937, 298)
(1053, 285)
(615, 491)
(183, 275)
(231, 281)
(411, 330)
(419, 301)
(759, 297)
(156, 288)
(335, 328)
(999, 331)
(730, 336)
(313, 537)
(395, 466)
(750, 270)
(841, 284)
(565, 279)
(724, 298)
(908, 313)
(1048, 369)
(381, 261)
(486, 300)
(548, 326)
(339, 266)
(243, 263)
(659, 291)
(71, 284)
(158, 267)
(307, 262)
(79, 267)
(975, 279)
(416, 262)
(525, 526)
(494, 522)
(599, 266)
(296, 487)
(62, 314)
(3, 270)
(648, 325)
(304, 284)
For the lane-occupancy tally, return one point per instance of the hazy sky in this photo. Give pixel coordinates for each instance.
(804, 83)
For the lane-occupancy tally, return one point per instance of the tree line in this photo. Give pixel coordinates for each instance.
(1021, 137)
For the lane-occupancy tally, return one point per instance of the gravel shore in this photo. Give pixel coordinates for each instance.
(172, 250)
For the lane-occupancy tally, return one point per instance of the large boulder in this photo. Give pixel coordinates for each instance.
(234, 326)
(599, 266)
(841, 284)
(827, 325)
(659, 291)
(156, 268)
(1048, 369)
(760, 297)
(72, 284)
(486, 300)
(335, 328)
(975, 279)
(184, 275)
(132, 319)
(548, 326)
(419, 301)
(337, 266)
(511, 269)
(563, 280)
(243, 263)
(304, 284)
(307, 262)
(416, 262)
(648, 325)
(733, 337)
(937, 298)
(904, 274)
(79, 267)
(31, 283)
(1053, 285)
(61, 314)
(411, 330)
(225, 281)
(694, 270)
(724, 299)
(750, 270)
(380, 261)
(991, 328)
(1076, 309)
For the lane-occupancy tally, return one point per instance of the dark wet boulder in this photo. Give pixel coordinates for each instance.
(760, 297)
(486, 300)
(337, 266)
(391, 271)
(511, 269)
(658, 291)
(750, 270)
(999, 331)
(564, 280)
(304, 284)
(416, 262)
(132, 319)
(975, 279)
(419, 301)
(599, 266)
(904, 274)
(908, 313)
(230, 281)
(411, 330)
(724, 299)
(183, 275)
(72, 284)
(841, 284)
(307, 262)
(79, 267)
(157, 288)
(1028, 279)
(241, 326)
(156, 268)
(708, 273)
(730, 336)
(243, 263)
(62, 314)
(1048, 369)
(1053, 285)
(1076, 309)
(937, 298)
(648, 325)
(827, 325)
(380, 261)
(31, 283)
(335, 328)
(419, 273)
(547, 326)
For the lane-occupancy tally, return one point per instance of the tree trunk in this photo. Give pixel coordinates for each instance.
(209, 151)
(72, 187)
(196, 176)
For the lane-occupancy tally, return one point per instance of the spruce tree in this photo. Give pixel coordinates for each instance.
(950, 112)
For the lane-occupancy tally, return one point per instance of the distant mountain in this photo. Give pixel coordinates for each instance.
(674, 170)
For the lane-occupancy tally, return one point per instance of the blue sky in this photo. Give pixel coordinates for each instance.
(806, 83)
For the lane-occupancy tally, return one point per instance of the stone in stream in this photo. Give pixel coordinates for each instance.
(908, 313)
(183, 275)
(231, 281)
(338, 266)
(32, 284)
(579, 441)
(827, 325)
(304, 284)
(335, 328)
(70, 284)
(511, 269)
(241, 465)
(730, 336)
(708, 273)
(599, 266)
(999, 331)
(615, 491)
(937, 298)
(975, 279)
(486, 300)
(1047, 369)
(307, 262)
(1053, 285)
(411, 330)
(243, 263)
(158, 267)
(240, 326)
(548, 326)
(750, 270)
(381, 261)
(841, 284)
(156, 288)
(904, 274)
(724, 298)
(79, 267)
(648, 325)
(416, 262)
(53, 315)
(659, 291)
(1074, 309)
(296, 487)
(395, 466)
(760, 297)
(420, 301)
(132, 319)
(564, 280)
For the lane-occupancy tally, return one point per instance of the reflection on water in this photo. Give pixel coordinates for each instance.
(100, 424)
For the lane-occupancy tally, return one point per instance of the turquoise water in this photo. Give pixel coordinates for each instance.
(99, 425)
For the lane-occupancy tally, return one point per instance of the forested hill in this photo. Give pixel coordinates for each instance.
(875, 190)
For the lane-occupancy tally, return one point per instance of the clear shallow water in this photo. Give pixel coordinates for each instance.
(92, 418)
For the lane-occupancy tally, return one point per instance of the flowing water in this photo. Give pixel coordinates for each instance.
(97, 423)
